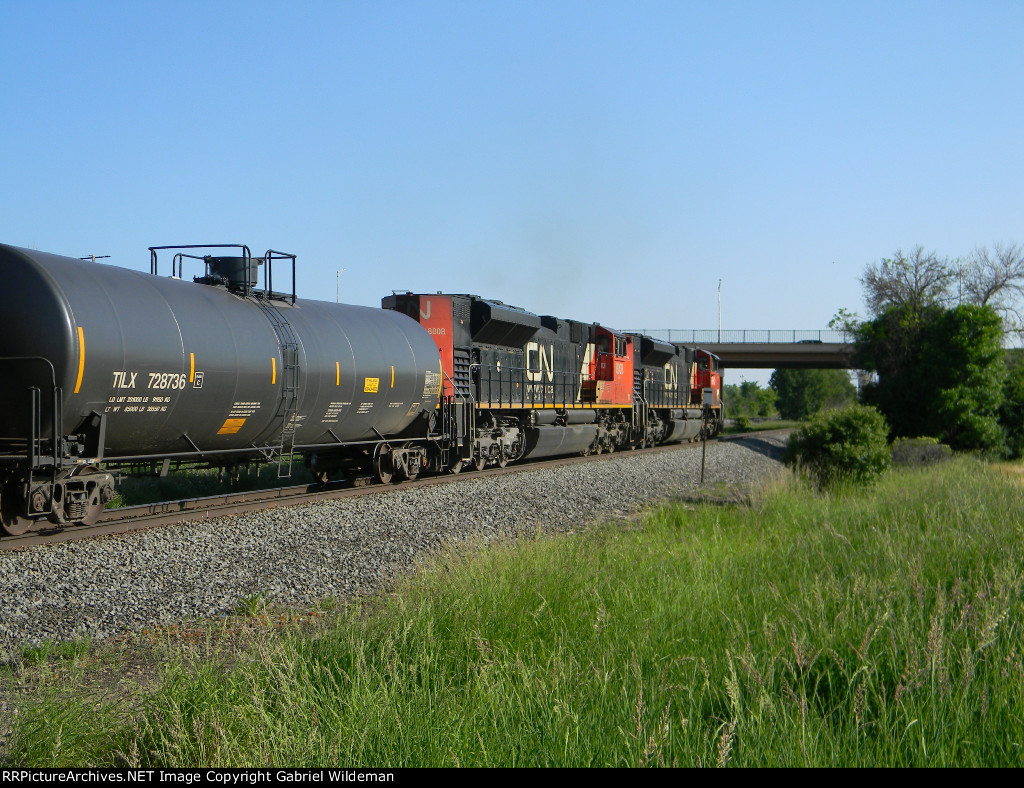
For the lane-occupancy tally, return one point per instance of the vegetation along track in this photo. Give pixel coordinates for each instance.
(134, 518)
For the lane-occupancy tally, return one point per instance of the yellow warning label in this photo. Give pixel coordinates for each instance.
(231, 426)
(371, 385)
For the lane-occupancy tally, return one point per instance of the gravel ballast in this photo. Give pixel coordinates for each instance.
(302, 555)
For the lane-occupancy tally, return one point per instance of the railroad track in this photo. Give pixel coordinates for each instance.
(137, 518)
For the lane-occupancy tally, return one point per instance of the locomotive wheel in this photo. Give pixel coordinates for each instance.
(479, 463)
(456, 467)
(11, 522)
(383, 466)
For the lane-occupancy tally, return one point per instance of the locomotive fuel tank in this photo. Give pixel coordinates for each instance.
(179, 369)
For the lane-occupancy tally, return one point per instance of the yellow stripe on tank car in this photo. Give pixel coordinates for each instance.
(191, 367)
(81, 359)
(273, 370)
(337, 373)
(392, 376)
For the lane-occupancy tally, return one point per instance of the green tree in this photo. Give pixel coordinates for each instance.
(800, 393)
(940, 372)
(1011, 413)
(749, 399)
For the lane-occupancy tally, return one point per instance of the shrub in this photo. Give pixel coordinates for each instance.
(841, 446)
(919, 451)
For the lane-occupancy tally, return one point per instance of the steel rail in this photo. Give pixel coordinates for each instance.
(153, 515)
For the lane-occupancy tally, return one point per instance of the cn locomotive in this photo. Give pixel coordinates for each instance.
(105, 370)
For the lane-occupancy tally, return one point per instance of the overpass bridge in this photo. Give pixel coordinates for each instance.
(766, 348)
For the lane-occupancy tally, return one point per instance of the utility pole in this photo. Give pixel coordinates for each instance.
(719, 311)
(337, 296)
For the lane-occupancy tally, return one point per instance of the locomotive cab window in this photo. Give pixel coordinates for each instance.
(604, 344)
(620, 346)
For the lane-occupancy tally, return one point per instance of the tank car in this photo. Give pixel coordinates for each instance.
(100, 364)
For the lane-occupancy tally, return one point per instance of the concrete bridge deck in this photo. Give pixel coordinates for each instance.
(767, 349)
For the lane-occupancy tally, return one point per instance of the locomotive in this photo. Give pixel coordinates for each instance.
(105, 370)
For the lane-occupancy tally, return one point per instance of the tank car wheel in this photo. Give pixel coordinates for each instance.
(92, 513)
(11, 522)
(96, 504)
(414, 474)
(383, 467)
(456, 467)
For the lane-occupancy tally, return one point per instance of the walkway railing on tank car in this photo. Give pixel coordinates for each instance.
(177, 262)
(177, 265)
(268, 276)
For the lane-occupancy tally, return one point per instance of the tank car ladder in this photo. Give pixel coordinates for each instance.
(289, 386)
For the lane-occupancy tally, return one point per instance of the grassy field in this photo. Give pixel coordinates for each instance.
(879, 627)
(761, 425)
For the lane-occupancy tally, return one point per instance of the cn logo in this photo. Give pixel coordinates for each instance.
(413, 310)
(539, 364)
(671, 376)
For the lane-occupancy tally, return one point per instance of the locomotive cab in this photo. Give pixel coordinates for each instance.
(611, 371)
(706, 376)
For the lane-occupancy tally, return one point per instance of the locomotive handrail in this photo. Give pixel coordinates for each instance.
(562, 395)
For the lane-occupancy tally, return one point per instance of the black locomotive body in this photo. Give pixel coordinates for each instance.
(537, 386)
(103, 368)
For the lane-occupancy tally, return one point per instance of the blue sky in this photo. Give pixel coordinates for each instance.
(607, 161)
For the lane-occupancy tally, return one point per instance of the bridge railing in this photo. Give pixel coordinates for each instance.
(745, 336)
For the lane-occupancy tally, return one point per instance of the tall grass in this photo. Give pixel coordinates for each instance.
(881, 627)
